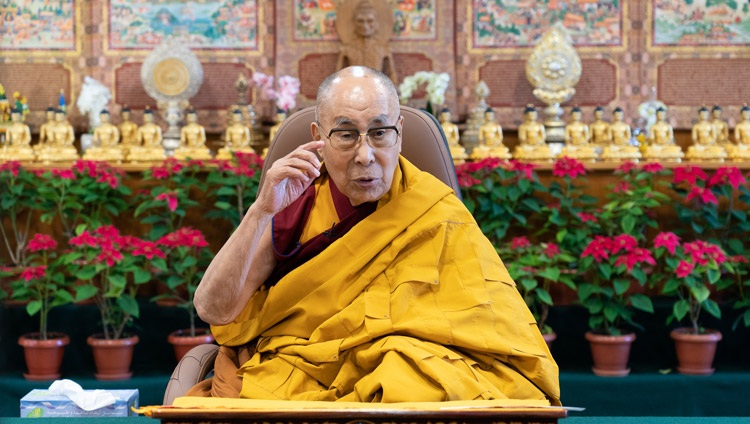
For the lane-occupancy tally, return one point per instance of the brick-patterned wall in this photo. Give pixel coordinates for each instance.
(687, 82)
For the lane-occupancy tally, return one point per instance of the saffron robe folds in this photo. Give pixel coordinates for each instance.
(412, 304)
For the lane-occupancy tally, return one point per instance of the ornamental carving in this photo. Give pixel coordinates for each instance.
(554, 67)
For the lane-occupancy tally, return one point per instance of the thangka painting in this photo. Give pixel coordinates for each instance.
(37, 25)
(206, 24)
(520, 23)
(701, 22)
(412, 20)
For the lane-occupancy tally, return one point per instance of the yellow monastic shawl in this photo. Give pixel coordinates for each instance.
(412, 304)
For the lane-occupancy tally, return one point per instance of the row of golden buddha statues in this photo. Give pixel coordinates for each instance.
(606, 141)
(125, 142)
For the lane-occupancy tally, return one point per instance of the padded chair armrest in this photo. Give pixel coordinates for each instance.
(192, 368)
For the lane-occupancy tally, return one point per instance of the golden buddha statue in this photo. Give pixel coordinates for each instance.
(721, 127)
(59, 148)
(148, 147)
(705, 147)
(280, 117)
(452, 135)
(192, 140)
(128, 131)
(490, 139)
(531, 139)
(661, 144)
(741, 150)
(236, 138)
(106, 141)
(619, 148)
(17, 145)
(577, 137)
(45, 131)
(599, 130)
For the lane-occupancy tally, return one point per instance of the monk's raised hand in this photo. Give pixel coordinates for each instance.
(288, 177)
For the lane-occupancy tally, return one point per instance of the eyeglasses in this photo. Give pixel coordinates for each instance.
(348, 139)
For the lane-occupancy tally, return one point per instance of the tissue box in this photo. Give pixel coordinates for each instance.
(42, 404)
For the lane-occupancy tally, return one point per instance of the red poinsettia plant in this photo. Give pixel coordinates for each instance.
(612, 267)
(536, 267)
(236, 184)
(692, 274)
(44, 283)
(111, 268)
(186, 256)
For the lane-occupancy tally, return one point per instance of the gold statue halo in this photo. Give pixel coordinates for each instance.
(171, 76)
(345, 10)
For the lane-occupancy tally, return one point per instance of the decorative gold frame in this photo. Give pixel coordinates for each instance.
(77, 34)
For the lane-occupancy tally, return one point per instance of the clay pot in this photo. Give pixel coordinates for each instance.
(610, 353)
(695, 352)
(182, 341)
(112, 357)
(43, 357)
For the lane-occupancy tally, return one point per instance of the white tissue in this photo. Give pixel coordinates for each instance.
(88, 400)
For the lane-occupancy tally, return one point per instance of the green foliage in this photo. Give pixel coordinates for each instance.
(235, 185)
(18, 202)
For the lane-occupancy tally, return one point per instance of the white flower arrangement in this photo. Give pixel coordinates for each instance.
(285, 94)
(437, 83)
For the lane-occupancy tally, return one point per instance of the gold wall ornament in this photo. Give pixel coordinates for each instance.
(554, 68)
(171, 75)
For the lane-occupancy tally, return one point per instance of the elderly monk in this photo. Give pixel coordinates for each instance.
(359, 277)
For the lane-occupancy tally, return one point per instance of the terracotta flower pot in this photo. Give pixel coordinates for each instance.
(112, 357)
(695, 352)
(182, 341)
(43, 357)
(610, 353)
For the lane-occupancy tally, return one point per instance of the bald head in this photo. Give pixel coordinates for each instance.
(355, 75)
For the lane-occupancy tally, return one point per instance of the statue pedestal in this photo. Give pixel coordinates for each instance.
(170, 145)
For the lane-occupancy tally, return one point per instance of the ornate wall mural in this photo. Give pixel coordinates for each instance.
(700, 22)
(412, 20)
(520, 23)
(38, 25)
(207, 24)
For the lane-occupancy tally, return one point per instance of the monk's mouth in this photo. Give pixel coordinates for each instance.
(366, 182)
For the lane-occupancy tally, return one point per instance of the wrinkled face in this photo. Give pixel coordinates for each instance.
(363, 174)
(366, 25)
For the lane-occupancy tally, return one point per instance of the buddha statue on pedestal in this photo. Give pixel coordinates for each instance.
(452, 135)
(705, 147)
(721, 127)
(17, 145)
(59, 148)
(741, 150)
(619, 148)
(531, 138)
(599, 130)
(577, 136)
(148, 147)
(192, 140)
(280, 117)
(490, 139)
(45, 131)
(661, 144)
(236, 138)
(106, 141)
(128, 131)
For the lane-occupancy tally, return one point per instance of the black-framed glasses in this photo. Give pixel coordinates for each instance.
(376, 137)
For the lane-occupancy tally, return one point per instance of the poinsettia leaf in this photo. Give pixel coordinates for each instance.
(85, 291)
(544, 296)
(33, 307)
(680, 309)
(621, 286)
(628, 224)
(552, 274)
(141, 276)
(700, 293)
(713, 275)
(128, 304)
(642, 302)
(712, 308)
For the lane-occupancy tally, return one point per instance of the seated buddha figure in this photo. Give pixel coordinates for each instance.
(106, 141)
(705, 147)
(280, 117)
(619, 148)
(17, 145)
(128, 131)
(59, 148)
(661, 144)
(45, 131)
(599, 130)
(192, 140)
(236, 138)
(148, 147)
(452, 135)
(531, 138)
(490, 139)
(721, 127)
(577, 139)
(741, 150)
